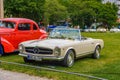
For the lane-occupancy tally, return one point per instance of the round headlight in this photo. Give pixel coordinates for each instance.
(21, 48)
(57, 51)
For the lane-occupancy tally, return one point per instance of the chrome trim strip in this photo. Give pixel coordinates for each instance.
(84, 54)
(44, 57)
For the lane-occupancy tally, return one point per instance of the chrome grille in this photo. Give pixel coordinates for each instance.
(38, 50)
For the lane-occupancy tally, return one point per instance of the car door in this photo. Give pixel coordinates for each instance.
(35, 31)
(85, 47)
(88, 45)
(22, 33)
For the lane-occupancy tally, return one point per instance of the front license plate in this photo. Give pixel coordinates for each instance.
(33, 57)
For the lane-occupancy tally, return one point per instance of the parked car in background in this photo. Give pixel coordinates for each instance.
(101, 29)
(50, 28)
(63, 45)
(89, 30)
(16, 30)
(92, 30)
(114, 30)
(85, 30)
(58, 24)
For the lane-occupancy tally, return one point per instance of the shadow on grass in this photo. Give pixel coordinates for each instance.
(50, 64)
(53, 64)
(47, 63)
(10, 54)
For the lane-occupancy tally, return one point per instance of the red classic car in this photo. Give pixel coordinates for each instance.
(15, 30)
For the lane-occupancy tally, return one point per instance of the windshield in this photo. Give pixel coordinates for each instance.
(65, 34)
(7, 24)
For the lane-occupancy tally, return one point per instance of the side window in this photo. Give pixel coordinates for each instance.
(34, 27)
(24, 26)
(7, 24)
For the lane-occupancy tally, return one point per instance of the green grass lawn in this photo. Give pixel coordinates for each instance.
(108, 66)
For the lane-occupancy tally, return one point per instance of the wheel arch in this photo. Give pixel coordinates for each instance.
(98, 45)
(43, 36)
(7, 46)
(71, 48)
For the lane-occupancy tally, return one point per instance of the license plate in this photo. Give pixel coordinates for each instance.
(33, 57)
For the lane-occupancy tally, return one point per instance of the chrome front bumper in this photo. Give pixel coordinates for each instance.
(43, 57)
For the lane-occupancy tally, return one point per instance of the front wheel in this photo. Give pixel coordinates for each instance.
(0, 54)
(69, 59)
(27, 60)
(96, 54)
(1, 50)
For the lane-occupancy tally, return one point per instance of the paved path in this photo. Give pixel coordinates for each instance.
(8, 75)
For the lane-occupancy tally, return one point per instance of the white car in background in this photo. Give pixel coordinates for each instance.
(86, 30)
(114, 30)
(101, 29)
(92, 30)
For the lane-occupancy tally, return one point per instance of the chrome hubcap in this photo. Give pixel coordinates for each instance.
(98, 52)
(70, 59)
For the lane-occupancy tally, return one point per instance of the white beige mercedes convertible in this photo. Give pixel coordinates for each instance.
(63, 45)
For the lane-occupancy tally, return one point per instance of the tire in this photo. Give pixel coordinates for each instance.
(96, 54)
(69, 59)
(0, 54)
(27, 60)
(1, 50)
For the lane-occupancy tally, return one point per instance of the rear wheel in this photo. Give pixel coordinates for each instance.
(96, 54)
(69, 59)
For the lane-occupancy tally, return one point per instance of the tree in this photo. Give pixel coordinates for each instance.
(81, 13)
(108, 15)
(90, 11)
(32, 9)
(1, 9)
(54, 11)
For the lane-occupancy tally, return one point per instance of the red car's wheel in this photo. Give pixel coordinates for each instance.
(1, 50)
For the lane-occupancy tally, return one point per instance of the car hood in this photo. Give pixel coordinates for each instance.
(4, 30)
(48, 43)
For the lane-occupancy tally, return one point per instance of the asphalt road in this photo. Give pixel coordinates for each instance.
(8, 75)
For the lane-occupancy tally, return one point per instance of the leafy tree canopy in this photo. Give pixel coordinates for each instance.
(54, 11)
(81, 12)
(24, 8)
